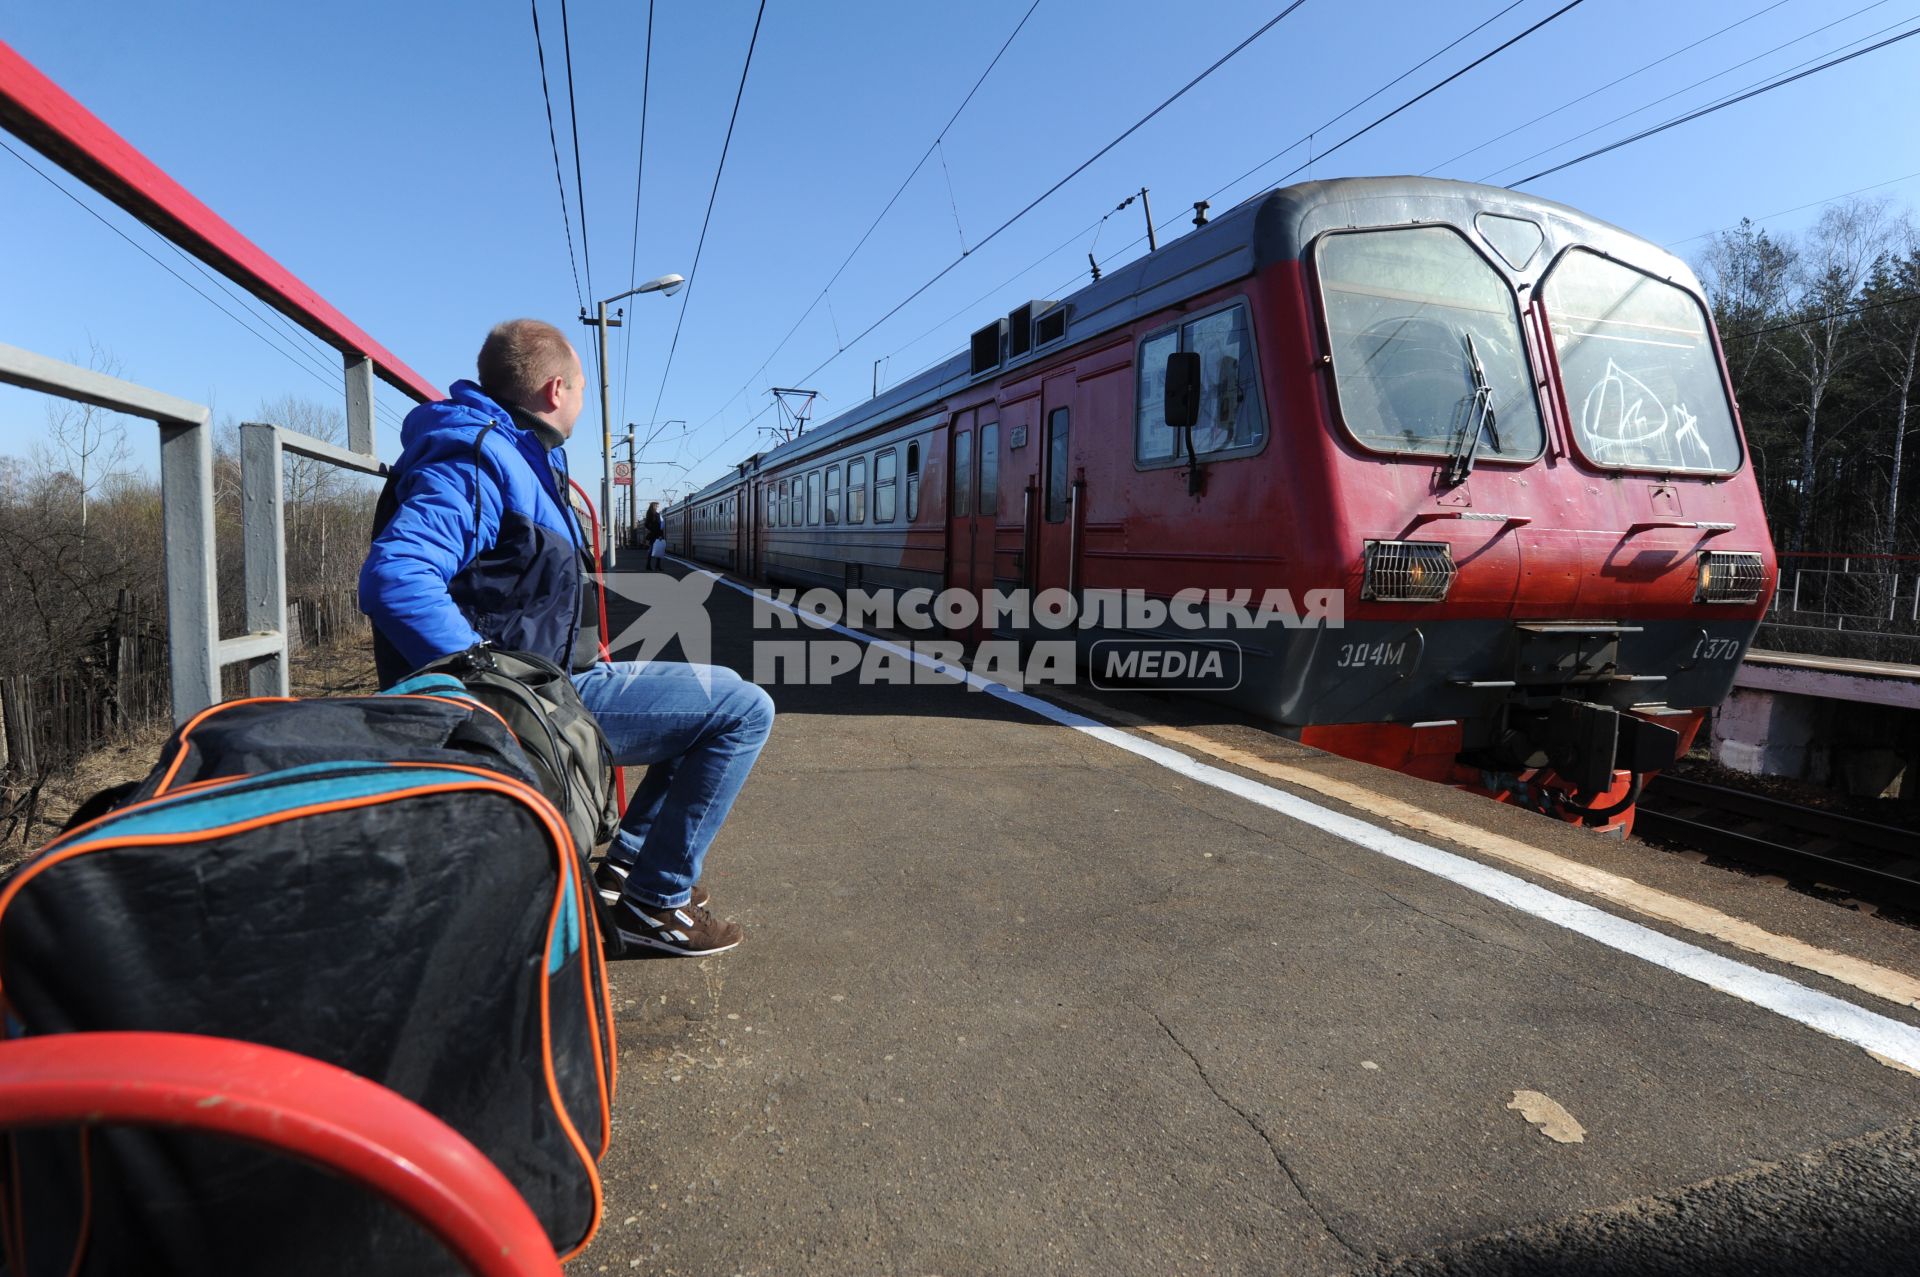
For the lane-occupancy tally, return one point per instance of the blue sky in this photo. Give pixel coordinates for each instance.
(396, 158)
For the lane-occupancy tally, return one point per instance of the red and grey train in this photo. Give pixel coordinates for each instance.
(1501, 428)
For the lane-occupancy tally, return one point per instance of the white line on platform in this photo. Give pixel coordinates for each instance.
(1883, 1037)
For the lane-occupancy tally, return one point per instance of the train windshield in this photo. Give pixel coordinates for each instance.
(1411, 311)
(1642, 378)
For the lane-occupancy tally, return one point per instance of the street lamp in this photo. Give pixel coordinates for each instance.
(669, 285)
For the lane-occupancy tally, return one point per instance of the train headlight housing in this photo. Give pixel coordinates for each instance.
(1729, 576)
(1408, 571)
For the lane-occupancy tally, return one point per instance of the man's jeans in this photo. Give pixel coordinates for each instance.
(697, 745)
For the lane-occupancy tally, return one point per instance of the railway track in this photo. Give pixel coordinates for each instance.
(1879, 863)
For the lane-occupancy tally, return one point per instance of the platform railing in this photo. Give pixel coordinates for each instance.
(195, 651)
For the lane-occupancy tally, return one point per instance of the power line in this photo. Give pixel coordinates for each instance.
(1308, 136)
(1767, 217)
(263, 336)
(1718, 106)
(573, 127)
(1435, 88)
(1321, 155)
(639, 174)
(1610, 84)
(566, 217)
(1081, 168)
(1861, 309)
(924, 156)
(712, 195)
(1305, 137)
(1668, 97)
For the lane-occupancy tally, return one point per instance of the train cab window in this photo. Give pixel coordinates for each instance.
(960, 500)
(990, 468)
(913, 482)
(1642, 380)
(857, 490)
(1059, 455)
(833, 495)
(885, 467)
(1425, 336)
(1231, 419)
(813, 499)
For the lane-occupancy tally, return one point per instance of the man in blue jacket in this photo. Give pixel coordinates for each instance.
(482, 546)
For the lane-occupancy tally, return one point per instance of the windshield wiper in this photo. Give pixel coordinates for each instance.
(1480, 419)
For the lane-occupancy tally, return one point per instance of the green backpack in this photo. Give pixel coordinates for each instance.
(568, 750)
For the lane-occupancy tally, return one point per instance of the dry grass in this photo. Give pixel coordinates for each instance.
(344, 669)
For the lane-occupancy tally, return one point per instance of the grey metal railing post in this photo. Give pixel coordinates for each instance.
(359, 404)
(193, 615)
(263, 551)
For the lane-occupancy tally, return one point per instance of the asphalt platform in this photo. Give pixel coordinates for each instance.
(1016, 1000)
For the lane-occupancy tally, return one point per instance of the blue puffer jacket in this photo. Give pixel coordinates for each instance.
(436, 581)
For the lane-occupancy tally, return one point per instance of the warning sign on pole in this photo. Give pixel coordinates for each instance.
(622, 474)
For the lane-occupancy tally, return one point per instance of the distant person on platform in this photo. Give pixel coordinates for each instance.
(655, 533)
(483, 546)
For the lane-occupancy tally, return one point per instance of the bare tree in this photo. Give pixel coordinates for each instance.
(1894, 294)
(85, 441)
(1749, 276)
(1834, 262)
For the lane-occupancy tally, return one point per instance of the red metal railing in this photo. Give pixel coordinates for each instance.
(293, 1105)
(45, 116)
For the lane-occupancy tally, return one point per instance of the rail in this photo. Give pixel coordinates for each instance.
(1807, 844)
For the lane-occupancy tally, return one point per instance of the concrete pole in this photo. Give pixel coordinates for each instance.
(606, 447)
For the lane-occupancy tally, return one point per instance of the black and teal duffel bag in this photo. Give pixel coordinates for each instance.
(415, 917)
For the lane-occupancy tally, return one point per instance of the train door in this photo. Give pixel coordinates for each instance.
(969, 529)
(1055, 521)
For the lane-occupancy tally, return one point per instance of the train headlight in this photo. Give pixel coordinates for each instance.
(1408, 571)
(1729, 576)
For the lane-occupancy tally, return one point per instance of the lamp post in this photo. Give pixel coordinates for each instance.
(669, 285)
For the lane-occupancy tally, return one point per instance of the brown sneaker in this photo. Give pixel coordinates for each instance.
(610, 880)
(689, 930)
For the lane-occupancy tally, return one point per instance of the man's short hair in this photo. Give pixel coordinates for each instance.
(522, 355)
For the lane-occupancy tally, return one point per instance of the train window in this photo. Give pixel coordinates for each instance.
(813, 499)
(1642, 379)
(1421, 325)
(833, 494)
(857, 490)
(913, 482)
(990, 468)
(960, 500)
(1231, 419)
(786, 504)
(884, 467)
(1058, 458)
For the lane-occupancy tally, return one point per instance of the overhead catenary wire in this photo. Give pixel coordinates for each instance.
(1135, 127)
(546, 96)
(1305, 137)
(1482, 59)
(1639, 70)
(1308, 136)
(879, 217)
(1717, 106)
(639, 175)
(1493, 174)
(719, 169)
(1797, 208)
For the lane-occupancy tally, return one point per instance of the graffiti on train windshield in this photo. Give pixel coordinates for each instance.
(1643, 383)
(1401, 306)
